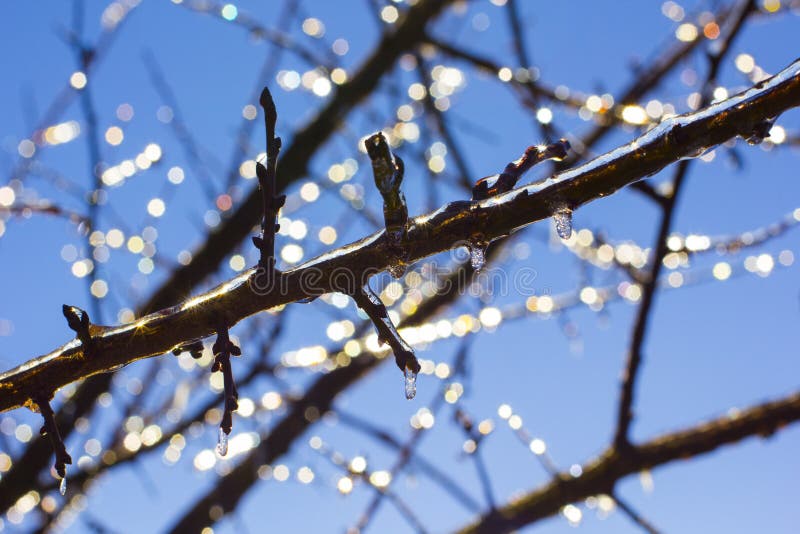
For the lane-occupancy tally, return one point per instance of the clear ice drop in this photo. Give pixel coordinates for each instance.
(477, 255)
(222, 443)
(62, 487)
(411, 383)
(563, 220)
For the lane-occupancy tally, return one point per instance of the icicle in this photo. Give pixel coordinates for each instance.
(222, 443)
(62, 487)
(563, 220)
(410, 383)
(477, 253)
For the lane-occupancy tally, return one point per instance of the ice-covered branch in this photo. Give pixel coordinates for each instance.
(368, 301)
(679, 137)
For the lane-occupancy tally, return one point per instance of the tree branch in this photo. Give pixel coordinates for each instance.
(675, 138)
(625, 409)
(219, 244)
(601, 474)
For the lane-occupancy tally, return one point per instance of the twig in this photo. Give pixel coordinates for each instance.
(258, 30)
(634, 516)
(407, 450)
(429, 469)
(50, 429)
(523, 60)
(496, 184)
(178, 125)
(78, 320)
(338, 460)
(465, 423)
(388, 170)
(84, 56)
(46, 207)
(404, 357)
(267, 182)
(464, 174)
(634, 360)
(223, 349)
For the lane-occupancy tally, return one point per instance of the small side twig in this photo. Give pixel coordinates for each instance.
(78, 320)
(367, 300)
(465, 422)
(634, 516)
(387, 170)
(50, 430)
(496, 184)
(266, 180)
(223, 349)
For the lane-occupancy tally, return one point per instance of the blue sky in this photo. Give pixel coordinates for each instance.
(711, 346)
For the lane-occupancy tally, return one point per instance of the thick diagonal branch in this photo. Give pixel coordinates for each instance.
(675, 138)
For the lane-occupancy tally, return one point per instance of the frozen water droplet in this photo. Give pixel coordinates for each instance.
(694, 154)
(397, 271)
(411, 383)
(62, 487)
(760, 132)
(477, 254)
(754, 140)
(222, 443)
(563, 220)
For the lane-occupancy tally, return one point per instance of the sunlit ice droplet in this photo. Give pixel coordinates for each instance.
(563, 220)
(62, 487)
(477, 254)
(222, 443)
(410, 383)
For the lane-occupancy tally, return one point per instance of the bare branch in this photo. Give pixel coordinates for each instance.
(634, 360)
(267, 182)
(601, 474)
(50, 429)
(223, 349)
(678, 137)
(368, 301)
